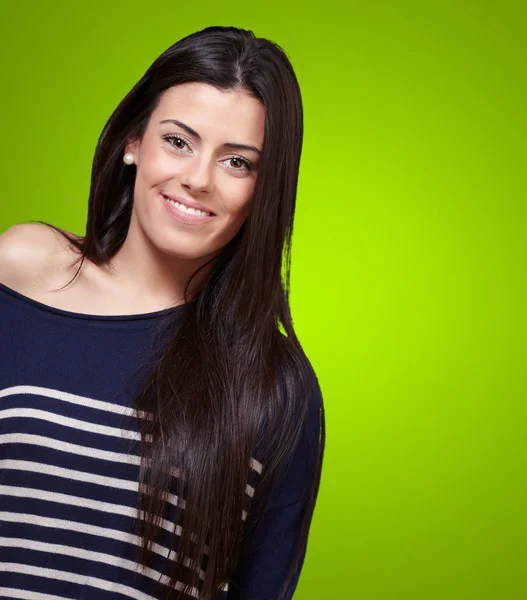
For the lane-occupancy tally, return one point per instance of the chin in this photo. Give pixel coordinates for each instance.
(186, 253)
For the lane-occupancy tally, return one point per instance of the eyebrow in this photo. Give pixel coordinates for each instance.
(197, 135)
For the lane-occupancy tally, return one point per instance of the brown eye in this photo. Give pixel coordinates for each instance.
(175, 141)
(237, 163)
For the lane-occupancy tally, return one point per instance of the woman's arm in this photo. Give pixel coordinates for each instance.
(267, 556)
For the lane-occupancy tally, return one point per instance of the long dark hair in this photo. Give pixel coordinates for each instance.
(229, 391)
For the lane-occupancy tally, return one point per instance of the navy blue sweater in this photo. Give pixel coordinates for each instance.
(69, 463)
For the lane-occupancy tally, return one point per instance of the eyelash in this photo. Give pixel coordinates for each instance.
(168, 137)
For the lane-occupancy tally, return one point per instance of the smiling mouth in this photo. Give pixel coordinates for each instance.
(187, 210)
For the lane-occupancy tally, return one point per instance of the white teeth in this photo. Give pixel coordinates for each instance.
(185, 209)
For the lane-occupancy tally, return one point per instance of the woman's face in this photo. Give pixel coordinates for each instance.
(198, 162)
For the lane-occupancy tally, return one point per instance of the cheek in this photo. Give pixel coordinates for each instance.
(238, 201)
(156, 168)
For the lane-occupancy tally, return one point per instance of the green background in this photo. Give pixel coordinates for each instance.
(409, 256)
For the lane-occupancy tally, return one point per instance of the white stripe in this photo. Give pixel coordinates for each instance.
(96, 582)
(69, 422)
(47, 442)
(255, 465)
(90, 403)
(77, 501)
(23, 465)
(101, 557)
(28, 595)
(73, 399)
(43, 468)
(105, 532)
(72, 474)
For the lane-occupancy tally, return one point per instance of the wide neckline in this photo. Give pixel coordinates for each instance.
(91, 317)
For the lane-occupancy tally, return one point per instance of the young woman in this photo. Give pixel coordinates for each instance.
(161, 428)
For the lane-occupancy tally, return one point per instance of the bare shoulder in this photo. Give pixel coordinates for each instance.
(28, 250)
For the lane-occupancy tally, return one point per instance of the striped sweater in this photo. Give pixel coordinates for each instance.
(69, 464)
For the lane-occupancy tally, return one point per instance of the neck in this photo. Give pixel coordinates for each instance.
(139, 269)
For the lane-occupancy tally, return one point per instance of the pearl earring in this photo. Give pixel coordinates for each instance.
(128, 158)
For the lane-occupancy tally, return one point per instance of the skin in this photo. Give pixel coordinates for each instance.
(159, 252)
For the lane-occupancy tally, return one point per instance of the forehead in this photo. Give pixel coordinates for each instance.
(228, 116)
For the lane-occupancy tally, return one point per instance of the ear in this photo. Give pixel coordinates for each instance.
(132, 146)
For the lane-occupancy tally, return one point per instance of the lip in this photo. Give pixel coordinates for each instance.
(184, 217)
(189, 203)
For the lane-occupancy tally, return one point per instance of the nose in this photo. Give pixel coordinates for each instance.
(197, 175)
